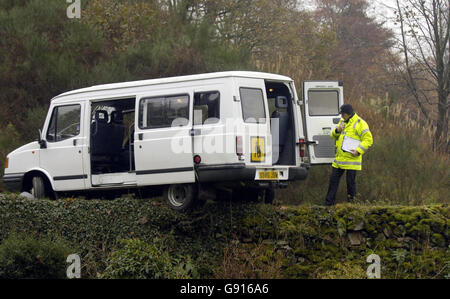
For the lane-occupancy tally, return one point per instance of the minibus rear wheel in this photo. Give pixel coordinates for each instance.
(180, 197)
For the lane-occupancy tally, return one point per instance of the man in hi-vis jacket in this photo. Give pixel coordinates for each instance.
(348, 159)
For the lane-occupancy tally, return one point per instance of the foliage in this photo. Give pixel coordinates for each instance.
(361, 53)
(238, 239)
(123, 24)
(23, 256)
(250, 261)
(345, 270)
(139, 260)
(9, 140)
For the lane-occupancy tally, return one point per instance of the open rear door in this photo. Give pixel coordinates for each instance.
(322, 101)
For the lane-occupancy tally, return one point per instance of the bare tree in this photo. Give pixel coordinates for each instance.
(425, 30)
(362, 45)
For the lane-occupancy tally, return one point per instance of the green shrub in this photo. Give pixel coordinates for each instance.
(22, 256)
(250, 261)
(140, 260)
(345, 270)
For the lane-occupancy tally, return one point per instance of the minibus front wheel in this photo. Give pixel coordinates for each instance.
(180, 197)
(38, 187)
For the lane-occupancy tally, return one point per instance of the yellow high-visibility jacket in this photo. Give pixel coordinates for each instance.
(355, 128)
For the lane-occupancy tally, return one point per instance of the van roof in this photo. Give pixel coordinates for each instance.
(259, 75)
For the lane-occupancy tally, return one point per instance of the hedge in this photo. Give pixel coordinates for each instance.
(244, 239)
(25, 257)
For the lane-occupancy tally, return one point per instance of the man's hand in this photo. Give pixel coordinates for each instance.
(355, 153)
(341, 127)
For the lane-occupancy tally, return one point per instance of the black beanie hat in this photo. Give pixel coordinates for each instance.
(347, 109)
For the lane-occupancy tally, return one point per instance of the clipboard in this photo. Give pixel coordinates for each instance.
(349, 144)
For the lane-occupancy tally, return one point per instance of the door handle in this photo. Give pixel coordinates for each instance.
(75, 142)
(315, 142)
(141, 136)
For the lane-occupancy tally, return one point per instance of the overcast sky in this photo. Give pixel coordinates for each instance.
(382, 10)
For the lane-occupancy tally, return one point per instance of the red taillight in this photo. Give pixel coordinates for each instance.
(197, 159)
(239, 148)
(302, 147)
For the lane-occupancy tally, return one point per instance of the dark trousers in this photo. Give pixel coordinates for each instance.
(335, 178)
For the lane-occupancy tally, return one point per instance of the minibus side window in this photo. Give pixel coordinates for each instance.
(253, 110)
(206, 108)
(164, 112)
(64, 123)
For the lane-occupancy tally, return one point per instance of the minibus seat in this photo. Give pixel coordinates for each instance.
(283, 125)
(101, 119)
(118, 130)
(281, 152)
(101, 131)
(100, 122)
(117, 117)
(101, 116)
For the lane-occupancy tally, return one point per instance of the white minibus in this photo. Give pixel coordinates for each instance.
(243, 131)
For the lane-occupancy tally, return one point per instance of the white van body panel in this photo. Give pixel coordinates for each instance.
(26, 157)
(114, 179)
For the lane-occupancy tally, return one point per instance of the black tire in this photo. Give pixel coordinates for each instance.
(38, 187)
(180, 197)
(269, 195)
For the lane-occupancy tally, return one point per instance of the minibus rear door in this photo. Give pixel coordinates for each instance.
(322, 100)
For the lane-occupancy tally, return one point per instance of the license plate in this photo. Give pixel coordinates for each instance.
(268, 175)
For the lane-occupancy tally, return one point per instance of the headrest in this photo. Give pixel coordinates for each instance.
(101, 116)
(117, 117)
(281, 102)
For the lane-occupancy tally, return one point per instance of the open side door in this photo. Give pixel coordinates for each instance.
(322, 100)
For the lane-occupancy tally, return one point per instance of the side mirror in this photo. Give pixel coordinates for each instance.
(41, 141)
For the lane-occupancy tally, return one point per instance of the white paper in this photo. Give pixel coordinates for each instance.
(350, 144)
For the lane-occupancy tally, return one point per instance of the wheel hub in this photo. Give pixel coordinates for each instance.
(177, 195)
